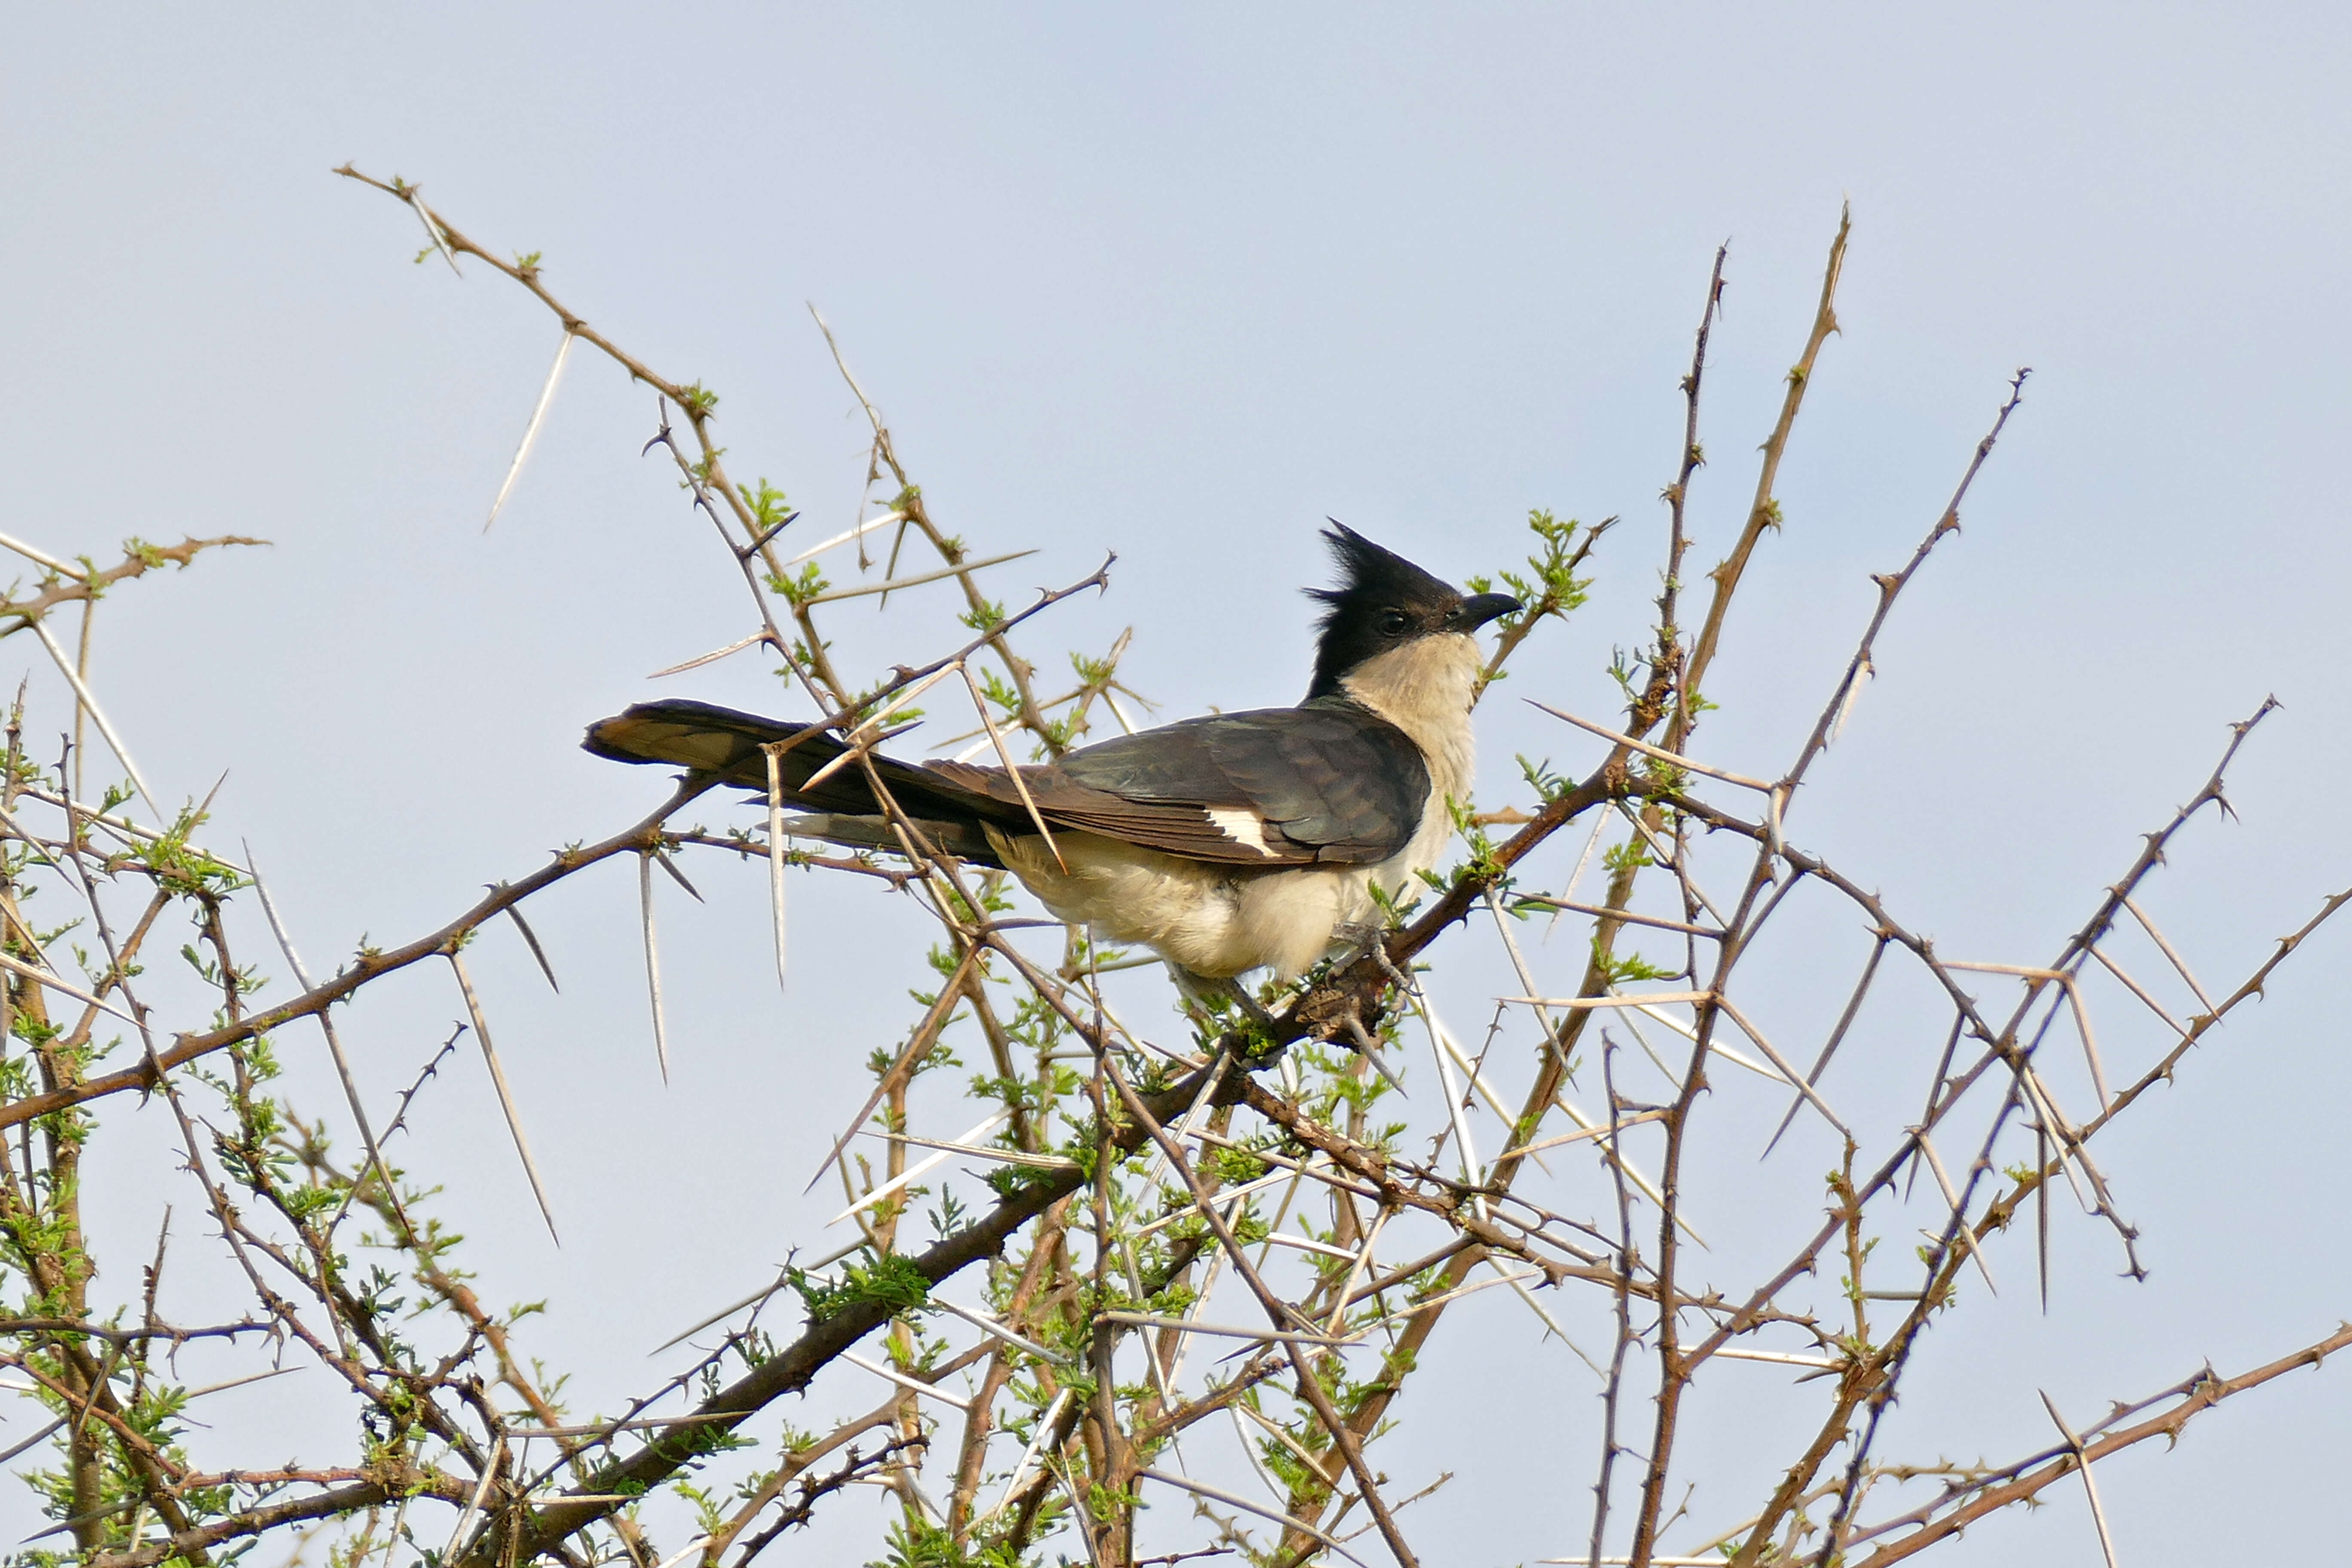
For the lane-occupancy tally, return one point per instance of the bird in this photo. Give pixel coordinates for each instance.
(1226, 844)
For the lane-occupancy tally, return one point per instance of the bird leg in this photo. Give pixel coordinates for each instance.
(1371, 942)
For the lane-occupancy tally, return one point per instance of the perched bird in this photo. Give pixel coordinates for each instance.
(1226, 844)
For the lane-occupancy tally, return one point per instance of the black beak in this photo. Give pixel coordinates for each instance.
(1480, 608)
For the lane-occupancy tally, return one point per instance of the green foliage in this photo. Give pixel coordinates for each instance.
(1548, 586)
(1397, 908)
(949, 1217)
(179, 869)
(769, 509)
(1616, 969)
(689, 1445)
(1548, 784)
(890, 1279)
(1660, 780)
(1000, 694)
(1013, 1182)
(1106, 1504)
(1338, 1093)
(1484, 863)
(1232, 1167)
(1631, 856)
(798, 588)
(918, 1543)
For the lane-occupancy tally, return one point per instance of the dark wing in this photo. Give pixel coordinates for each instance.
(1285, 786)
(1330, 775)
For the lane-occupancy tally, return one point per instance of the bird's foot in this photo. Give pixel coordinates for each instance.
(1371, 942)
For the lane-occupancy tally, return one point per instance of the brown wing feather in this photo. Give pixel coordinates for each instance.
(1178, 828)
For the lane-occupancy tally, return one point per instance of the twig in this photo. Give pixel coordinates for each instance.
(912, 1383)
(366, 968)
(506, 1095)
(530, 431)
(1309, 1385)
(1233, 1500)
(89, 701)
(1997, 1489)
(1013, 769)
(326, 1024)
(531, 941)
(653, 960)
(960, 1143)
(863, 589)
(2090, 1487)
(713, 657)
(1673, 758)
(1765, 511)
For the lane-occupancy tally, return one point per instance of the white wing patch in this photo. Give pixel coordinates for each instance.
(1244, 827)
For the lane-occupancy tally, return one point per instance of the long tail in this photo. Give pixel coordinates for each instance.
(712, 742)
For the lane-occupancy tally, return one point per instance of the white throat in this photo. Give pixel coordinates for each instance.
(1424, 689)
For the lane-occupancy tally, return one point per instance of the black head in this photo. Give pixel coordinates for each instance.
(1382, 602)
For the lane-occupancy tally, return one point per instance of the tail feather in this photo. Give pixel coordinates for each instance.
(712, 742)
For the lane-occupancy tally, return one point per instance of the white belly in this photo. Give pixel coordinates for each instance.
(1217, 921)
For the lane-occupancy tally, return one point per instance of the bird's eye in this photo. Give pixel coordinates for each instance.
(1393, 623)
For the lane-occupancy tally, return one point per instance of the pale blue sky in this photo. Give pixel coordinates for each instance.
(1180, 282)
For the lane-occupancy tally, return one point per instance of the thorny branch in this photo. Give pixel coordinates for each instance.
(1134, 1196)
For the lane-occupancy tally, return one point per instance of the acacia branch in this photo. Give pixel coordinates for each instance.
(66, 583)
(2020, 1482)
(294, 1510)
(1765, 511)
(647, 835)
(369, 965)
(794, 1366)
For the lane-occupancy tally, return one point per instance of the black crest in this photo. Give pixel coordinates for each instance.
(1382, 600)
